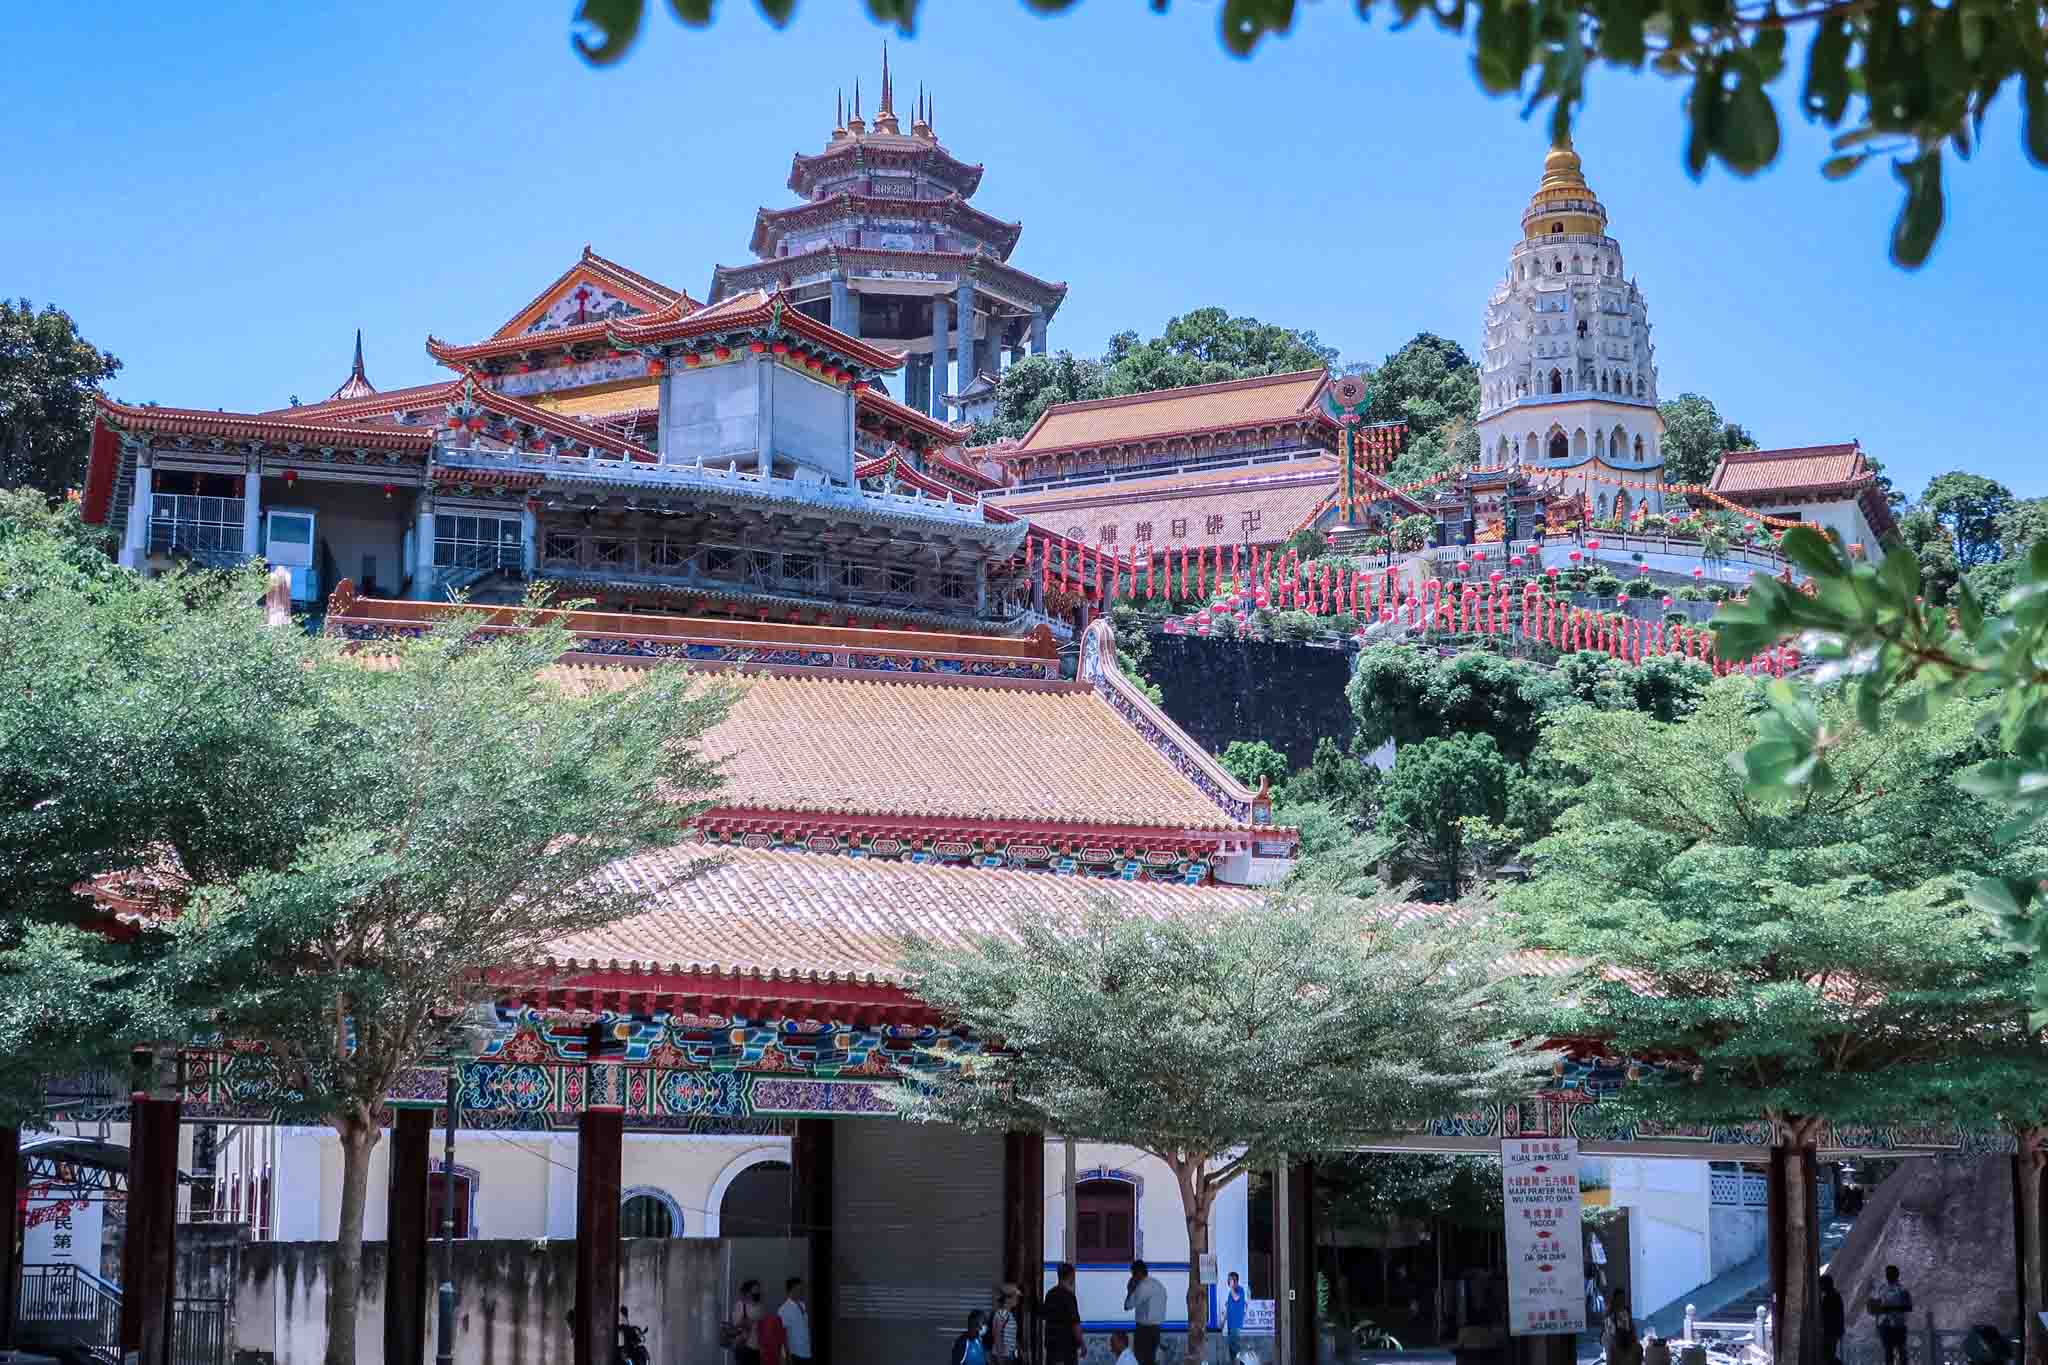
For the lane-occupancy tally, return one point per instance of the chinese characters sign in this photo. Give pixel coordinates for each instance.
(61, 1226)
(1546, 1251)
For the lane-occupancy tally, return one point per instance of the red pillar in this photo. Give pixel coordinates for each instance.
(10, 1229)
(149, 1253)
(810, 1159)
(405, 1265)
(600, 1140)
(1024, 1231)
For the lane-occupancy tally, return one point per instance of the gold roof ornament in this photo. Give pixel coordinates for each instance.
(1563, 203)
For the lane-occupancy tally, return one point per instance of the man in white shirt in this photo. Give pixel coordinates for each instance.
(1145, 1301)
(796, 1322)
(1120, 1348)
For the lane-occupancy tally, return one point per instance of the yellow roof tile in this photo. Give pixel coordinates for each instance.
(1166, 412)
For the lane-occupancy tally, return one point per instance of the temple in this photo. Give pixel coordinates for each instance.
(886, 247)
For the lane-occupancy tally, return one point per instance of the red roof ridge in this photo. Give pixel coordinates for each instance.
(376, 405)
(1793, 452)
(258, 426)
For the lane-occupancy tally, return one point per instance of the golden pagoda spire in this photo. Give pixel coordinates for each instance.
(1564, 204)
(856, 125)
(838, 114)
(921, 125)
(885, 117)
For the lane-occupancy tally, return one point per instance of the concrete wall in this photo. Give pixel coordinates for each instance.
(1289, 695)
(511, 1298)
(1735, 1235)
(1669, 1204)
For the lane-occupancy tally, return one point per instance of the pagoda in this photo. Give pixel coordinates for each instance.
(886, 247)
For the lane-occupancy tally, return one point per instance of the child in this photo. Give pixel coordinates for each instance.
(967, 1347)
(1120, 1348)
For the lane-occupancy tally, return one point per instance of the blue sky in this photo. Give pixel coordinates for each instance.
(222, 194)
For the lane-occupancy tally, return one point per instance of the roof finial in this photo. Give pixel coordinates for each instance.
(357, 371)
(856, 125)
(885, 117)
(357, 385)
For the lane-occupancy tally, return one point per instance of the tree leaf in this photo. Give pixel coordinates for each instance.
(1749, 131)
(1811, 551)
(1846, 164)
(1919, 221)
(617, 23)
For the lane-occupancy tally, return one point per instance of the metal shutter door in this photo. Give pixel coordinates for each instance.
(917, 1237)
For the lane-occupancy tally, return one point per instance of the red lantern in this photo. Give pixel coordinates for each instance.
(390, 490)
(1515, 561)
(1621, 599)
(1592, 544)
(1550, 572)
(758, 347)
(454, 424)
(291, 476)
(1575, 556)
(1494, 577)
(657, 367)
(723, 352)
(476, 424)
(780, 348)
(693, 360)
(1667, 601)
(1699, 573)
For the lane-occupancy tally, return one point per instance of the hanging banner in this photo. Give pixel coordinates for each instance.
(1546, 1252)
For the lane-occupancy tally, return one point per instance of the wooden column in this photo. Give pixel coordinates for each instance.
(1024, 1232)
(2029, 1215)
(810, 1176)
(149, 1254)
(599, 1150)
(406, 1218)
(1300, 1347)
(10, 1230)
(1795, 1246)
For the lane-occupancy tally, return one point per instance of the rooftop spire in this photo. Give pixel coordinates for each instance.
(838, 114)
(920, 126)
(856, 125)
(885, 117)
(357, 385)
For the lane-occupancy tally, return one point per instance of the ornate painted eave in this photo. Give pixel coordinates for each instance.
(772, 225)
(806, 171)
(757, 316)
(991, 275)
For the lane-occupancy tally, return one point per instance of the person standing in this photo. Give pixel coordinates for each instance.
(1120, 1349)
(796, 1322)
(1234, 1304)
(1833, 1321)
(1890, 1306)
(1145, 1301)
(1002, 1325)
(743, 1325)
(968, 1348)
(1062, 1314)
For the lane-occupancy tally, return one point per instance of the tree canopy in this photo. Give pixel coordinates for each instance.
(1968, 506)
(1901, 84)
(49, 376)
(1433, 386)
(1695, 434)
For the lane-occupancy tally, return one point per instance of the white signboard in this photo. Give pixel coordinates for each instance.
(61, 1226)
(1546, 1252)
(1258, 1317)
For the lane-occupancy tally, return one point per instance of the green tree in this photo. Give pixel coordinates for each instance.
(1433, 386)
(1320, 1013)
(1252, 761)
(1695, 435)
(1429, 802)
(1895, 84)
(1921, 532)
(49, 377)
(1332, 776)
(1665, 686)
(151, 730)
(1406, 695)
(1814, 960)
(1968, 506)
(1035, 383)
(1415, 532)
(485, 800)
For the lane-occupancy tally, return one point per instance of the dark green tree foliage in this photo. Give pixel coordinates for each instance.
(49, 376)
(1666, 686)
(1433, 386)
(1922, 533)
(1437, 789)
(144, 724)
(1902, 83)
(1035, 383)
(1408, 695)
(1252, 761)
(1695, 435)
(1969, 507)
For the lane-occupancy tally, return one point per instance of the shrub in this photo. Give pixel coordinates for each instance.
(1690, 594)
(1603, 584)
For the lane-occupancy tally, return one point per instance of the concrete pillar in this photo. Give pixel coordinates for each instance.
(405, 1267)
(10, 1229)
(2029, 1214)
(149, 1255)
(1024, 1229)
(423, 553)
(252, 509)
(845, 308)
(599, 1152)
(810, 1186)
(1038, 331)
(940, 329)
(529, 535)
(135, 537)
(1295, 1240)
(963, 337)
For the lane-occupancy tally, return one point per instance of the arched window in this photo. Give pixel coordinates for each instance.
(1105, 1221)
(1603, 381)
(1556, 382)
(1579, 443)
(1599, 442)
(1557, 267)
(1560, 448)
(648, 1212)
(1641, 387)
(1617, 444)
(756, 1203)
(1639, 450)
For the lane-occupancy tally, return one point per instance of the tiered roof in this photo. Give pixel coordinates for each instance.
(772, 226)
(1261, 404)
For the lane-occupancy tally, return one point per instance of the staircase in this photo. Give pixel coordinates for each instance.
(68, 1312)
(1735, 1295)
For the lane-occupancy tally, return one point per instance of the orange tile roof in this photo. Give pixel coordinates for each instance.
(1279, 501)
(1168, 412)
(1795, 468)
(382, 404)
(243, 426)
(761, 914)
(1032, 752)
(602, 403)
